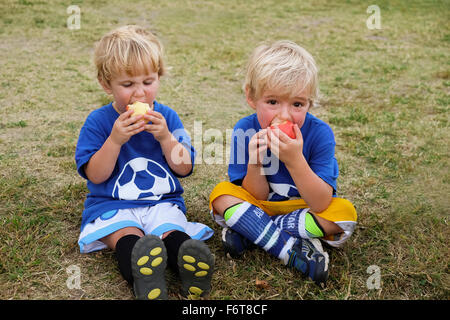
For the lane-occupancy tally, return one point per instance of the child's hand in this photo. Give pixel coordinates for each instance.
(158, 126)
(257, 147)
(286, 149)
(125, 127)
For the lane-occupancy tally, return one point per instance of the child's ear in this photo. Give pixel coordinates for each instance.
(249, 98)
(105, 85)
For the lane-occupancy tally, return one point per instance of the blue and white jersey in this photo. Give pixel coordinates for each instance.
(141, 176)
(318, 150)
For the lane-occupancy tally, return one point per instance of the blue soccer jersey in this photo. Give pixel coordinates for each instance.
(141, 176)
(318, 150)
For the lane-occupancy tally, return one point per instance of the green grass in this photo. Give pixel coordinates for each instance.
(384, 92)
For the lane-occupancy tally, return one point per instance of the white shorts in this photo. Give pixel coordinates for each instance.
(155, 220)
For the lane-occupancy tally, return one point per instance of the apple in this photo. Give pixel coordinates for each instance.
(287, 127)
(139, 108)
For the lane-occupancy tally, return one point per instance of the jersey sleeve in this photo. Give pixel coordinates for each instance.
(239, 156)
(177, 129)
(322, 158)
(90, 140)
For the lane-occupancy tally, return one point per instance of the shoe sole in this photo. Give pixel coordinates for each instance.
(148, 265)
(196, 266)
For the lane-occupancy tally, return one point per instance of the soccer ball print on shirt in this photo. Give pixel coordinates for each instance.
(143, 179)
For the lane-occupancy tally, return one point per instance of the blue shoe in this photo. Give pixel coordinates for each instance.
(234, 244)
(308, 257)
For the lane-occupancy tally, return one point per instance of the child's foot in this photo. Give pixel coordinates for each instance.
(234, 244)
(148, 265)
(308, 257)
(196, 266)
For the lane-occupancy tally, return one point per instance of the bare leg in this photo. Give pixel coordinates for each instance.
(329, 227)
(111, 239)
(222, 203)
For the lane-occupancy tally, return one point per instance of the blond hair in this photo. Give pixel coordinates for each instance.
(129, 49)
(282, 66)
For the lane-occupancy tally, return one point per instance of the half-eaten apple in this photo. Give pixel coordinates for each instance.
(139, 108)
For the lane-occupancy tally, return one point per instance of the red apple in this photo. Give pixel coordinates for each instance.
(287, 127)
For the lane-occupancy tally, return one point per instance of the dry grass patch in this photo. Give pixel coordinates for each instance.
(385, 94)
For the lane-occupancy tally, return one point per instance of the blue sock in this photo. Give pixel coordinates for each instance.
(254, 224)
(300, 224)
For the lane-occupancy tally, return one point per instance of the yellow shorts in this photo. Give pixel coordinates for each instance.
(340, 211)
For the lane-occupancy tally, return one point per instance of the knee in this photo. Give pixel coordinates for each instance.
(339, 210)
(223, 202)
(348, 209)
(111, 239)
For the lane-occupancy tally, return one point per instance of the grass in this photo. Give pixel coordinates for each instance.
(384, 92)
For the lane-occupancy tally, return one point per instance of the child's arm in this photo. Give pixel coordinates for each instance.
(316, 192)
(255, 181)
(102, 163)
(178, 158)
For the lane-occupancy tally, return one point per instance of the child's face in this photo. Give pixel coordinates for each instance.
(271, 106)
(127, 89)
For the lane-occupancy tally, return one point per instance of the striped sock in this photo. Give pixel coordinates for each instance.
(255, 225)
(300, 224)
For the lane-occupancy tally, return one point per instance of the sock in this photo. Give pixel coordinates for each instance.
(124, 247)
(300, 224)
(173, 242)
(254, 224)
(229, 212)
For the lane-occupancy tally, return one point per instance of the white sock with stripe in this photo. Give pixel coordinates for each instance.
(254, 224)
(299, 223)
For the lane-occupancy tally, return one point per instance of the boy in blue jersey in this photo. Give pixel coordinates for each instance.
(132, 164)
(282, 190)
